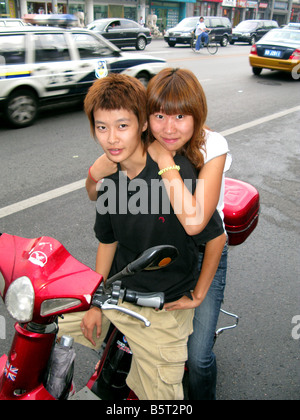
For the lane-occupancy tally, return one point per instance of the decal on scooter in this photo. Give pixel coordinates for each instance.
(10, 371)
(123, 347)
(38, 258)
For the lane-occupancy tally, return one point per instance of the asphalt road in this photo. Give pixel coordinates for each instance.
(260, 117)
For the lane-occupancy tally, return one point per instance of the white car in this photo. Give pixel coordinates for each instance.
(7, 22)
(42, 65)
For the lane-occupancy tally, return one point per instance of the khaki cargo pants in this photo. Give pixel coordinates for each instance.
(159, 351)
(70, 325)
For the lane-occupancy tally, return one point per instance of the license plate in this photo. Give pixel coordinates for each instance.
(272, 53)
(172, 39)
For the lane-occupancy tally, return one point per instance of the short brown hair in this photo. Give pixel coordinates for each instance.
(178, 91)
(116, 91)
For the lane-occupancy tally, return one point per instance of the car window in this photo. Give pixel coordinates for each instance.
(12, 48)
(14, 23)
(125, 24)
(90, 47)
(246, 25)
(187, 23)
(50, 47)
(216, 23)
(226, 23)
(114, 25)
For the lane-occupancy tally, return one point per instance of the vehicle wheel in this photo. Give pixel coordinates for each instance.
(256, 71)
(141, 43)
(224, 41)
(231, 42)
(144, 78)
(252, 40)
(212, 48)
(21, 108)
(171, 44)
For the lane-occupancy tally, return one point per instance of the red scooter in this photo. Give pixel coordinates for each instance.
(39, 281)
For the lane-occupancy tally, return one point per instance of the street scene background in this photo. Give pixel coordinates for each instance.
(260, 118)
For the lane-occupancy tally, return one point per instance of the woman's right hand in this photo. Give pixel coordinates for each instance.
(159, 154)
(103, 167)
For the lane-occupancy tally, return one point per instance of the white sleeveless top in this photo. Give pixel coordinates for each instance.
(216, 145)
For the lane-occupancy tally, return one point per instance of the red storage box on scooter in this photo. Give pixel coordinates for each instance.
(241, 210)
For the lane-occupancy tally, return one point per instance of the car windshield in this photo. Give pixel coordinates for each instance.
(99, 26)
(187, 23)
(282, 35)
(246, 26)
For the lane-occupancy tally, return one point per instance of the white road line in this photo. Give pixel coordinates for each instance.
(58, 192)
(41, 198)
(260, 121)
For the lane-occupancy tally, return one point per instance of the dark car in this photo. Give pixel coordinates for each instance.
(252, 30)
(122, 32)
(220, 27)
(279, 50)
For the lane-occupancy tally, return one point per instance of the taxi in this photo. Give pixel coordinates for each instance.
(43, 65)
(279, 49)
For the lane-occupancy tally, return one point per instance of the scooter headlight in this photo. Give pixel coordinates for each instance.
(19, 299)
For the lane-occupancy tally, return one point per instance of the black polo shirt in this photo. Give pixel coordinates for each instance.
(137, 213)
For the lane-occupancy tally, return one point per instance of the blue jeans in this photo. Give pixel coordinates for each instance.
(204, 36)
(201, 359)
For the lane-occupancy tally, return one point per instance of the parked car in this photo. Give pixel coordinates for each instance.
(220, 27)
(42, 65)
(7, 22)
(122, 32)
(252, 30)
(279, 49)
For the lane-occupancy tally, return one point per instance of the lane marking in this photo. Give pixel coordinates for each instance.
(259, 121)
(41, 198)
(58, 192)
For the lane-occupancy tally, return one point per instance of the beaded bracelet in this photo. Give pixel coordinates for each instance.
(93, 179)
(169, 168)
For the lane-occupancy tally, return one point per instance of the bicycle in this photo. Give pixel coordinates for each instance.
(212, 46)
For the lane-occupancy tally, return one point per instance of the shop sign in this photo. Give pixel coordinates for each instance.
(229, 3)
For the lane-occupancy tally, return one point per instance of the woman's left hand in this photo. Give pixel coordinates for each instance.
(183, 303)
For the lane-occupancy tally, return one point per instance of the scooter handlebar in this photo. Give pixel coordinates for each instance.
(151, 300)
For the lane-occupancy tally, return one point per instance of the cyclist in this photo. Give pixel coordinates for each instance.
(201, 34)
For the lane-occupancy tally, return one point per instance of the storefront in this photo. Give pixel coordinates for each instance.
(229, 7)
(8, 8)
(208, 8)
(169, 13)
(127, 9)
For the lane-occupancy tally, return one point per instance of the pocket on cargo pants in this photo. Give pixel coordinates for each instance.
(171, 373)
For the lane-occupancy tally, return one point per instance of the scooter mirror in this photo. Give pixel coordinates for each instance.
(152, 259)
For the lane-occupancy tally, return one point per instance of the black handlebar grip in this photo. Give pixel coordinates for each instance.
(151, 300)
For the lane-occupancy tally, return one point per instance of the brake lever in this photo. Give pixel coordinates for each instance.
(107, 306)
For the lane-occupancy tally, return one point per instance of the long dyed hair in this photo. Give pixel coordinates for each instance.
(178, 91)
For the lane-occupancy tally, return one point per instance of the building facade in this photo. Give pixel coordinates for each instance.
(168, 12)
